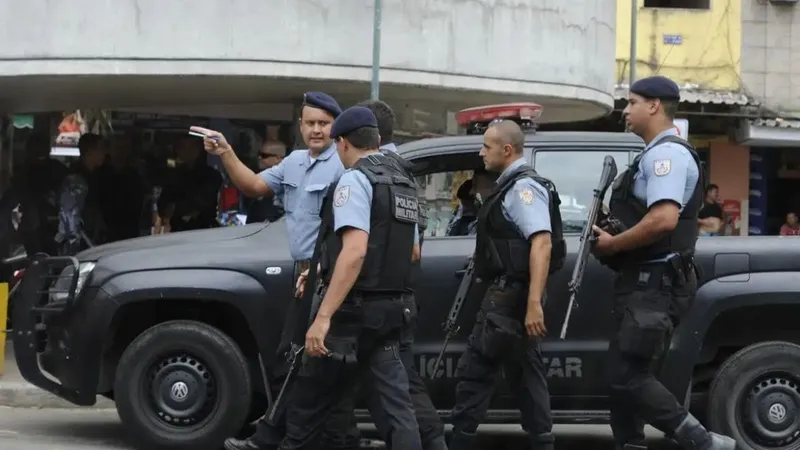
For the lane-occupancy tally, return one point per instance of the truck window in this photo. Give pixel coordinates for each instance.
(440, 189)
(576, 174)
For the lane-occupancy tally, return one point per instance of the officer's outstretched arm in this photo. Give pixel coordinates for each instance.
(665, 170)
(242, 177)
(247, 181)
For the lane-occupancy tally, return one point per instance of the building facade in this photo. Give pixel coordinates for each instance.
(770, 59)
(770, 63)
(699, 44)
(735, 63)
(254, 59)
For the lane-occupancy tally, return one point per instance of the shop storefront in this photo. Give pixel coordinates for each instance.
(773, 174)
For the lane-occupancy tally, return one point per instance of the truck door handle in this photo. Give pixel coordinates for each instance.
(460, 273)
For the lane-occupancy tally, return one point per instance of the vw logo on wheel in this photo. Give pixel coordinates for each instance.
(179, 390)
(777, 412)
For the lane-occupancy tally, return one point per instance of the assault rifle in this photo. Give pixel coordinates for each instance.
(449, 326)
(588, 237)
(276, 407)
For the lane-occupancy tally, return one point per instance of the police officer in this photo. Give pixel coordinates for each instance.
(656, 203)
(385, 116)
(512, 255)
(300, 180)
(362, 311)
(342, 425)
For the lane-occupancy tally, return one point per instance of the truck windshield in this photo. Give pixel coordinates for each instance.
(576, 174)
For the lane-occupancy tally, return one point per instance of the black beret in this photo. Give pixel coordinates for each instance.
(352, 119)
(657, 87)
(323, 101)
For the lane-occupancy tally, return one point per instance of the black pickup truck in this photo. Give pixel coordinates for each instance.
(181, 330)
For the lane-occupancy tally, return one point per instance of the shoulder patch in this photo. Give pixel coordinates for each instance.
(526, 195)
(341, 195)
(662, 167)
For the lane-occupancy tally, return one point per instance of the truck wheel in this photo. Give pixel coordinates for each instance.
(182, 385)
(755, 397)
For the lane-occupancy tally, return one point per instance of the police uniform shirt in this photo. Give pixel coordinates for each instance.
(352, 203)
(300, 181)
(526, 204)
(666, 171)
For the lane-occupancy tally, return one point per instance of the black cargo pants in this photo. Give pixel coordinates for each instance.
(650, 300)
(498, 342)
(369, 331)
(266, 434)
(341, 431)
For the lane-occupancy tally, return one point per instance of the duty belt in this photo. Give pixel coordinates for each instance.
(366, 296)
(659, 273)
(502, 281)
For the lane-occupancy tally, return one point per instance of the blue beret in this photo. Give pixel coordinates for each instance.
(657, 87)
(352, 119)
(323, 101)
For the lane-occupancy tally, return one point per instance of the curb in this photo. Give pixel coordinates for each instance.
(18, 394)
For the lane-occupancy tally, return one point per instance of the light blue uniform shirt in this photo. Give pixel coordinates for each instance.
(666, 171)
(300, 182)
(352, 203)
(526, 204)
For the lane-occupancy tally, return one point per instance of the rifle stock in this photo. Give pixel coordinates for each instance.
(607, 177)
(449, 326)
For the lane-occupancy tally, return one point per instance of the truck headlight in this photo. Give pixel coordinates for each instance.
(59, 290)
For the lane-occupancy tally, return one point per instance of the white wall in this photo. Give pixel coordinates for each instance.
(459, 52)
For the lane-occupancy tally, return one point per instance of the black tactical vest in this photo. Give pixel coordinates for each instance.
(407, 169)
(393, 216)
(499, 248)
(423, 217)
(630, 210)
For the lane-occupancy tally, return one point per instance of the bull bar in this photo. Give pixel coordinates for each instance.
(32, 306)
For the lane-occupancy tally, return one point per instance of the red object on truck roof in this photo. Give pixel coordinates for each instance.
(520, 111)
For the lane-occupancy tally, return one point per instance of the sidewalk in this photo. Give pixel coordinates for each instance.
(16, 392)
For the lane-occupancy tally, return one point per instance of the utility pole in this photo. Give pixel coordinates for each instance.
(376, 51)
(634, 32)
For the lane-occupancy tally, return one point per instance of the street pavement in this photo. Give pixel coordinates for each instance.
(88, 429)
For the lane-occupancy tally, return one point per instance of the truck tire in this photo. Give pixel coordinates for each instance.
(755, 397)
(182, 385)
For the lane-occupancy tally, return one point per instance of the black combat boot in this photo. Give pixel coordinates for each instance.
(461, 440)
(244, 444)
(543, 441)
(692, 435)
(435, 444)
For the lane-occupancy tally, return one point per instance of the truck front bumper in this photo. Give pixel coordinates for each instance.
(41, 334)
